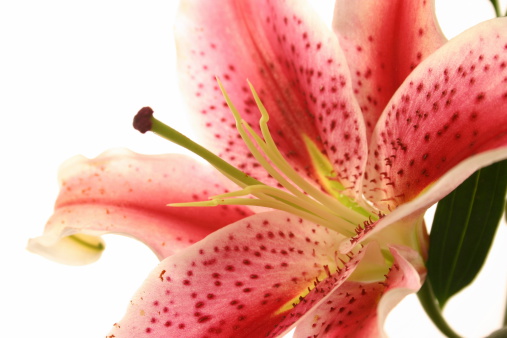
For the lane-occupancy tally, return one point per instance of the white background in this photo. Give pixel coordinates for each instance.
(72, 74)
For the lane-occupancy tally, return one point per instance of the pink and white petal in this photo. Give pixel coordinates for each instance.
(359, 309)
(403, 232)
(404, 226)
(236, 281)
(304, 308)
(295, 63)
(126, 193)
(384, 41)
(452, 107)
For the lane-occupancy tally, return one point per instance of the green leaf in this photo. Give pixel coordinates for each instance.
(463, 229)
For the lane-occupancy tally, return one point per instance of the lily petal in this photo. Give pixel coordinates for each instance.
(296, 65)
(240, 279)
(403, 231)
(452, 107)
(358, 309)
(127, 193)
(382, 52)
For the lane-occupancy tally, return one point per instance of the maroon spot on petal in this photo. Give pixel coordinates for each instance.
(480, 97)
(203, 319)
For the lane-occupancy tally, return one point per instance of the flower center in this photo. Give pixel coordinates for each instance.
(329, 208)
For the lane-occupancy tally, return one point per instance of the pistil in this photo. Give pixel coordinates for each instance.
(145, 121)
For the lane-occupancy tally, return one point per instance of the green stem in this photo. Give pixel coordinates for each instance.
(174, 136)
(432, 308)
(496, 6)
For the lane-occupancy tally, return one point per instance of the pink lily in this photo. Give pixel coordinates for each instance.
(385, 120)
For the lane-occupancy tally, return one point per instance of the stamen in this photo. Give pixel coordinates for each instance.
(269, 147)
(278, 199)
(300, 198)
(145, 118)
(272, 151)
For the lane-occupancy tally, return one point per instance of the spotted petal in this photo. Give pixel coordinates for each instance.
(240, 280)
(384, 41)
(446, 118)
(295, 63)
(126, 193)
(359, 309)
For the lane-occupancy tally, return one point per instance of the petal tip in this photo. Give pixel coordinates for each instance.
(79, 249)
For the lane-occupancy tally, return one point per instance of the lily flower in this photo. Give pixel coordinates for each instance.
(369, 125)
